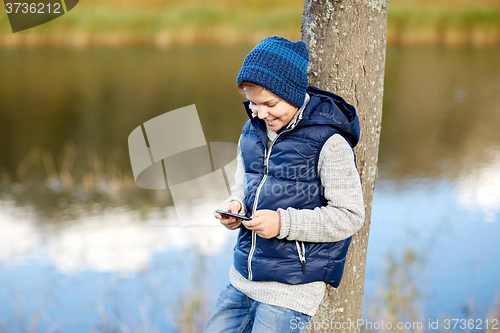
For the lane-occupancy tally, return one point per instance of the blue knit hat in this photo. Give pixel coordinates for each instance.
(280, 66)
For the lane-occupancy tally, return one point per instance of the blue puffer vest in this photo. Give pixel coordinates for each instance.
(285, 176)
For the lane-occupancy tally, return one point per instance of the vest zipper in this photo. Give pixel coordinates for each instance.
(256, 200)
(302, 255)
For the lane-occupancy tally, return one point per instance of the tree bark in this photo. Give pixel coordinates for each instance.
(347, 42)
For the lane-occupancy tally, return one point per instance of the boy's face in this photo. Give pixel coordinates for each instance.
(275, 111)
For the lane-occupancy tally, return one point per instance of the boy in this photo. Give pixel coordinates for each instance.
(297, 179)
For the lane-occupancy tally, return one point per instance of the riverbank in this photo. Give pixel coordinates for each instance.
(227, 22)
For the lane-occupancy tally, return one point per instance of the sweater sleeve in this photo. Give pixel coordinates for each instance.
(344, 213)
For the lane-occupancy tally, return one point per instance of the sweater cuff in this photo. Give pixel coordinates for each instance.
(285, 223)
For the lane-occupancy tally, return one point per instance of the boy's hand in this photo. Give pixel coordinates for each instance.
(266, 223)
(229, 222)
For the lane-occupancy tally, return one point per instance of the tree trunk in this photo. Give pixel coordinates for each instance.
(346, 41)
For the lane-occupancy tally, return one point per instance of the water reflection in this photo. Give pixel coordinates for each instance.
(456, 254)
(116, 240)
(479, 189)
(109, 271)
(65, 117)
(82, 247)
(441, 110)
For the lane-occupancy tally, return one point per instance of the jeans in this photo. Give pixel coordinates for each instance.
(237, 313)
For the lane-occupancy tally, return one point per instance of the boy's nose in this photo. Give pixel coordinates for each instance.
(262, 113)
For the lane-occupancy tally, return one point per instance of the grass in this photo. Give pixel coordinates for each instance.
(164, 23)
(58, 189)
(96, 22)
(401, 299)
(475, 24)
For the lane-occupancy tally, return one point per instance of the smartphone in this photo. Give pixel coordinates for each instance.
(228, 214)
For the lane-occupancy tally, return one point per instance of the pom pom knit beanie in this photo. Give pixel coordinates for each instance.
(280, 66)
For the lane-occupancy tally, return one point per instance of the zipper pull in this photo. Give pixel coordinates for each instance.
(302, 255)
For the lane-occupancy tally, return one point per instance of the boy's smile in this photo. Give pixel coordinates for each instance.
(275, 111)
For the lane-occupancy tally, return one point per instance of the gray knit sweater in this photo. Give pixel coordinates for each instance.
(340, 218)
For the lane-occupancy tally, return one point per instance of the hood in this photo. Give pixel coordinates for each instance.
(326, 108)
